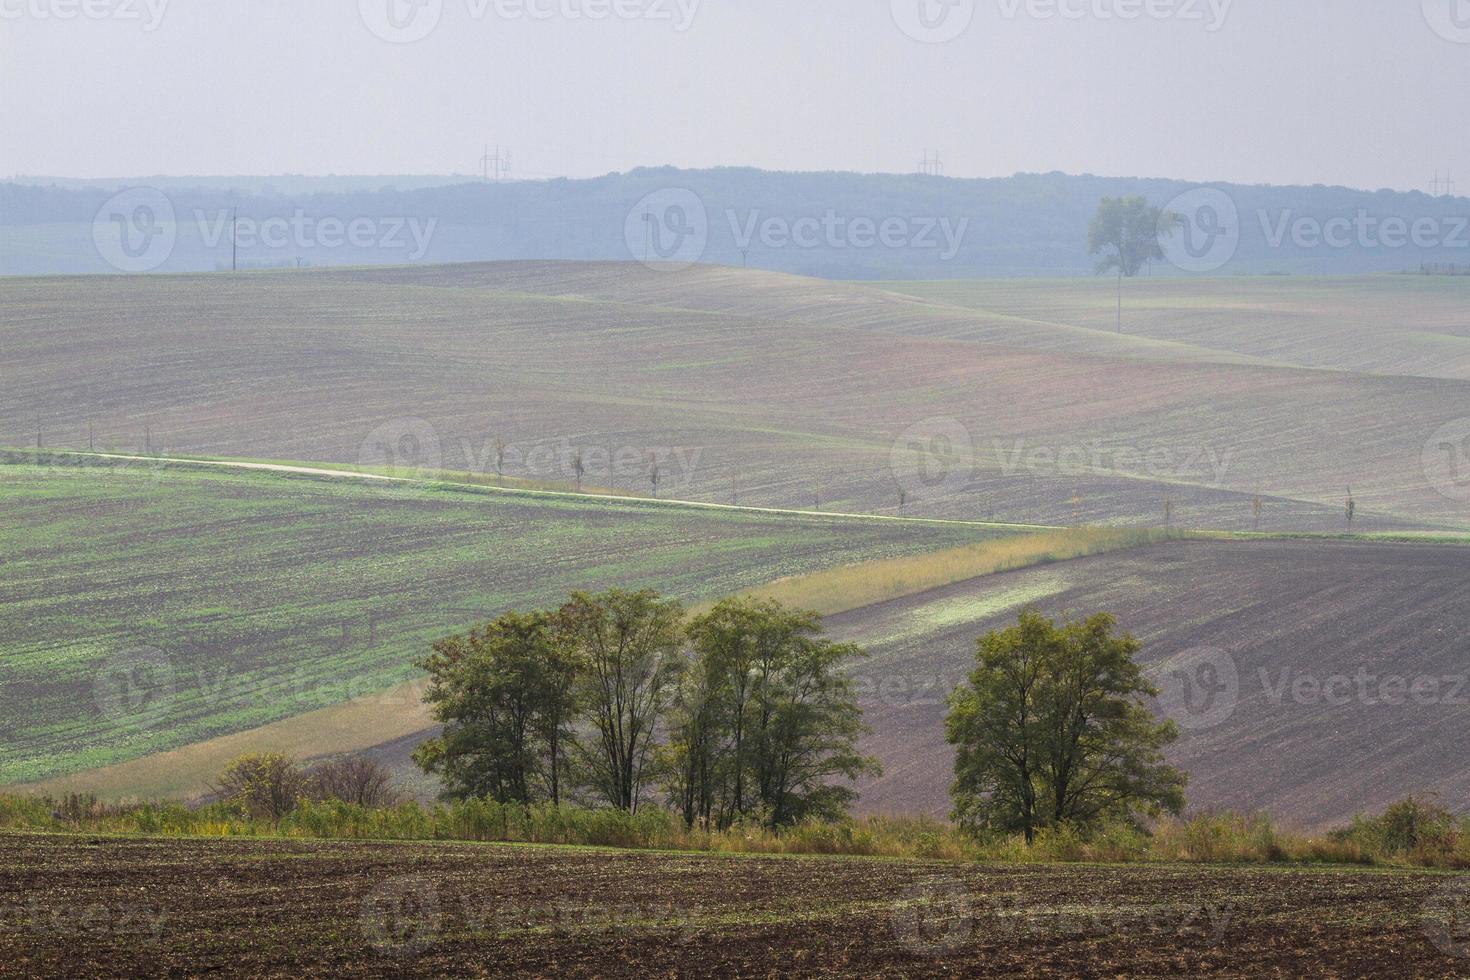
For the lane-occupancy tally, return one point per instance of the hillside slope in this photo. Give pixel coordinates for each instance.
(742, 386)
(1341, 675)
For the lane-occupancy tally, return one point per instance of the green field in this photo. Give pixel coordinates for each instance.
(267, 595)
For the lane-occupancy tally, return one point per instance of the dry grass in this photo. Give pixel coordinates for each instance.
(868, 583)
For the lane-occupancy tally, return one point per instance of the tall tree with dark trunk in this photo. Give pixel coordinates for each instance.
(628, 646)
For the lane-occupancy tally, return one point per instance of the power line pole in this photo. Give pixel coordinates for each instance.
(234, 241)
(494, 167)
(931, 167)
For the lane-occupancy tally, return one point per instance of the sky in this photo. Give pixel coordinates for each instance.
(1363, 93)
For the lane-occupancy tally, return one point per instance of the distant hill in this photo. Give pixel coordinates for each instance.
(831, 225)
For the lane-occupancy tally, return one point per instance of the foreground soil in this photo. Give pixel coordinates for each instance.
(91, 906)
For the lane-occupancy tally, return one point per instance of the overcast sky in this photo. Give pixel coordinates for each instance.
(1367, 93)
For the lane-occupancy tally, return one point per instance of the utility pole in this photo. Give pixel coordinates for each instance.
(234, 241)
(38, 432)
(1441, 187)
(494, 166)
(89, 437)
(931, 167)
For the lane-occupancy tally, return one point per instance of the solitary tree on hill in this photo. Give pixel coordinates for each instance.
(1126, 233)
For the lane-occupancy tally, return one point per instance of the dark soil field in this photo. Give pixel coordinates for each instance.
(1310, 679)
(770, 389)
(92, 907)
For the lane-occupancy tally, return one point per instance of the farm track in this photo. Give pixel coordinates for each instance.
(88, 906)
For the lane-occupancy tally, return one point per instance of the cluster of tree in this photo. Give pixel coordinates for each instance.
(1053, 727)
(744, 712)
(270, 785)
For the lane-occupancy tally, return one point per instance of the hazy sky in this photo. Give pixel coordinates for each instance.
(1368, 93)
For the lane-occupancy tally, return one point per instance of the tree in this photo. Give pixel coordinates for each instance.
(1052, 727)
(767, 718)
(1126, 233)
(267, 786)
(358, 780)
(628, 646)
(499, 692)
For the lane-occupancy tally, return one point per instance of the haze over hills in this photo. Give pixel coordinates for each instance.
(1005, 401)
(740, 385)
(833, 225)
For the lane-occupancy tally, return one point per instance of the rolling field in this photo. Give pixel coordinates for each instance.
(93, 906)
(764, 389)
(1393, 325)
(1311, 679)
(236, 599)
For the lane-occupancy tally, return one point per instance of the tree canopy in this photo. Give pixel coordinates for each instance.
(1053, 728)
